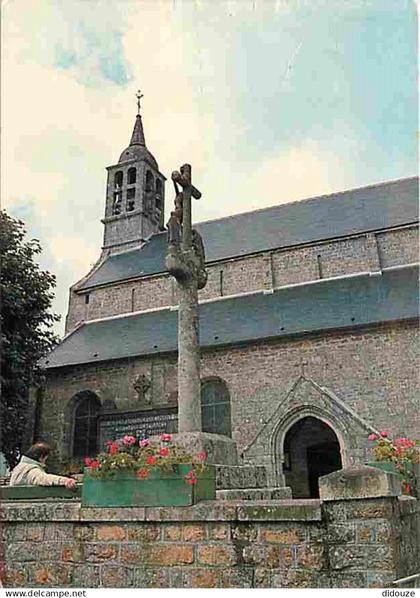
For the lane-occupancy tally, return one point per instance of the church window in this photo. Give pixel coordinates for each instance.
(85, 430)
(131, 176)
(215, 407)
(159, 197)
(87, 297)
(131, 194)
(149, 181)
(118, 179)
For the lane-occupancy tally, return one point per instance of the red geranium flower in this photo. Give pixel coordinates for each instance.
(94, 464)
(113, 448)
(202, 456)
(384, 434)
(151, 460)
(372, 437)
(406, 488)
(143, 473)
(191, 478)
(164, 452)
(88, 461)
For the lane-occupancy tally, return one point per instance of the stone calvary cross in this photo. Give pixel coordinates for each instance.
(185, 261)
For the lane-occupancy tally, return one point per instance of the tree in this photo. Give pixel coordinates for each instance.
(26, 321)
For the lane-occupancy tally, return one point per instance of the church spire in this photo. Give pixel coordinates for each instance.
(137, 137)
(135, 197)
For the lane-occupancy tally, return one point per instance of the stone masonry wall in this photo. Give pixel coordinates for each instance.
(294, 544)
(364, 253)
(373, 372)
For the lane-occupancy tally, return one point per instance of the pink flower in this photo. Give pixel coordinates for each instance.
(164, 452)
(165, 437)
(151, 460)
(202, 456)
(88, 461)
(143, 443)
(384, 434)
(128, 440)
(372, 437)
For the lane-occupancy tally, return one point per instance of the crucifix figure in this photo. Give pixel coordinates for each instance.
(139, 96)
(185, 261)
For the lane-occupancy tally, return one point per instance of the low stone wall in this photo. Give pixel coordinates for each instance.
(361, 542)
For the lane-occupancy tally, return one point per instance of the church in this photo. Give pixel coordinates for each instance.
(308, 327)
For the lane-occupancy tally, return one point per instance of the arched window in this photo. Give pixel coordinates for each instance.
(118, 179)
(159, 195)
(131, 176)
(85, 424)
(149, 181)
(215, 407)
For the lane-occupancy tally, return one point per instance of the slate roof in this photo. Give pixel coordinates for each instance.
(326, 305)
(377, 207)
(137, 149)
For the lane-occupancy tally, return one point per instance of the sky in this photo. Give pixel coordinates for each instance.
(271, 101)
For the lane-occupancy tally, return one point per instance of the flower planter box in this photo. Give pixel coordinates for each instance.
(160, 489)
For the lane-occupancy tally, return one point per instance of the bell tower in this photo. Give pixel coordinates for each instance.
(135, 194)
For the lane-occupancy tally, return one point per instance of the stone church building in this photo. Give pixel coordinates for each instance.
(308, 327)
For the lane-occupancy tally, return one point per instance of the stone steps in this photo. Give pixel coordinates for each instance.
(254, 494)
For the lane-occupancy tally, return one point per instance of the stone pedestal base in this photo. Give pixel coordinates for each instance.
(241, 476)
(220, 449)
(233, 481)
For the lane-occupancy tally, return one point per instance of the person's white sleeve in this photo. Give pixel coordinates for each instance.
(36, 477)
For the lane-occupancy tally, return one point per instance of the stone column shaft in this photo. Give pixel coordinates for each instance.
(189, 387)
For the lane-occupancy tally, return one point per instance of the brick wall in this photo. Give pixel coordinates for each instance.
(398, 247)
(374, 372)
(365, 253)
(295, 544)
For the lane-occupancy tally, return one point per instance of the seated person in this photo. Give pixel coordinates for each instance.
(30, 471)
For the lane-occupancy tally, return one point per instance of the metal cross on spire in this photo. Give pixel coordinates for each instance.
(139, 96)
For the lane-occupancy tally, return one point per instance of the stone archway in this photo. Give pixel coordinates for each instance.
(306, 398)
(311, 449)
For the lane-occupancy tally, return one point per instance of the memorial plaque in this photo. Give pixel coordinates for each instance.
(140, 424)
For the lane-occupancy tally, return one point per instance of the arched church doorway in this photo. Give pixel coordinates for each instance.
(311, 450)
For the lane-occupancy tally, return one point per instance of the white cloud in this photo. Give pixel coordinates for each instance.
(60, 130)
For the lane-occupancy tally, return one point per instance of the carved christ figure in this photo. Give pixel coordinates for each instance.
(175, 222)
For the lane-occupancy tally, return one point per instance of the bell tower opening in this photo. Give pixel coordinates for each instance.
(311, 450)
(135, 194)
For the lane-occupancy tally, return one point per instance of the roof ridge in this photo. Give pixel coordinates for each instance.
(296, 201)
(308, 199)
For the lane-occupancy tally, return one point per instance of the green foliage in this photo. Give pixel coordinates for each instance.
(403, 452)
(26, 335)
